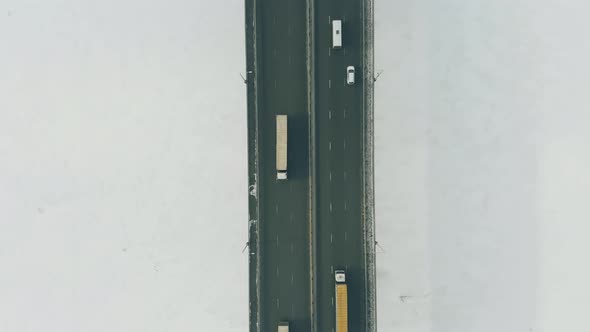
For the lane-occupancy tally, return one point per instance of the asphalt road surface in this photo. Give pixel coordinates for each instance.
(284, 214)
(284, 208)
(339, 115)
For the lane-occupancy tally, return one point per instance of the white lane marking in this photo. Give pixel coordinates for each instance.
(329, 19)
(292, 216)
(330, 206)
(329, 84)
(345, 205)
(344, 144)
(277, 271)
(277, 241)
(330, 176)
(345, 113)
(330, 145)
(275, 84)
(289, 59)
(331, 238)
(329, 51)
(332, 301)
(345, 236)
(343, 19)
(330, 114)
(291, 279)
(277, 209)
(278, 303)
(292, 310)
(331, 269)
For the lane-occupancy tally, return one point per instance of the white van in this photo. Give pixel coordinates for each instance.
(350, 75)
(336, 34)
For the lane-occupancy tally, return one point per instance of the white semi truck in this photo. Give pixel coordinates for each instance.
(281, 147)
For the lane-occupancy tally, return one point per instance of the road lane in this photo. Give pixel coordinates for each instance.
(284, 216)
(339, 113)
(284, 207)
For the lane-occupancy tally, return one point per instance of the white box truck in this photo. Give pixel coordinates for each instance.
(336, 34)
(281, 147)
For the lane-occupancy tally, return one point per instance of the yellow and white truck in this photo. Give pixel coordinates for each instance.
(341, 301)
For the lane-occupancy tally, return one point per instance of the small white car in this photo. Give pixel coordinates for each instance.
(350, 75)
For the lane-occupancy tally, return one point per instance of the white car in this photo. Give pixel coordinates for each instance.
(350, 75)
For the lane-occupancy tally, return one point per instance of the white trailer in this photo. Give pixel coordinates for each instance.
(281, 147)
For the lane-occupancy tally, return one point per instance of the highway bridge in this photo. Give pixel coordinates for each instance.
(320, 218)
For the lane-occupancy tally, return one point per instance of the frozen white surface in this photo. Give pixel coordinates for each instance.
(122, 172)
(482, 158)
(112, 198)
